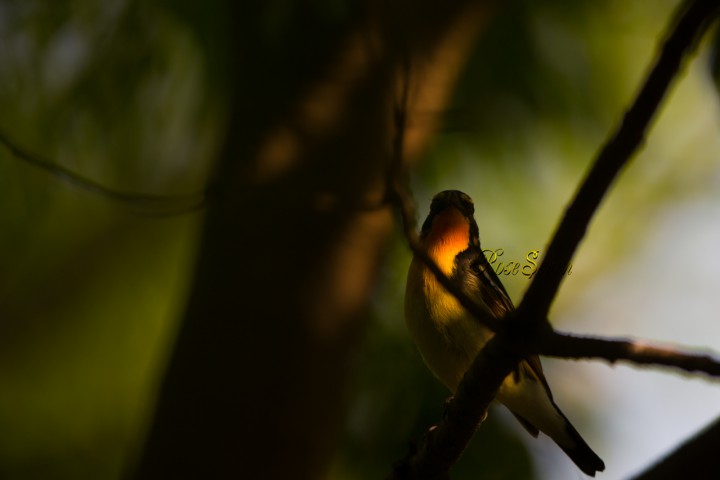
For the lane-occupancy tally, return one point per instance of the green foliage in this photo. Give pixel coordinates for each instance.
(90, 288)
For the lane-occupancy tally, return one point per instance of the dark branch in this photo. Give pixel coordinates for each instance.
(445, 443)
(696, 458)
(695, 17)
(555, 344)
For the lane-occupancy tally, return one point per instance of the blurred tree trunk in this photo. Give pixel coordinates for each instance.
(295, 230)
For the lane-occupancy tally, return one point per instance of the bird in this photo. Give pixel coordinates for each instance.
(449, 337)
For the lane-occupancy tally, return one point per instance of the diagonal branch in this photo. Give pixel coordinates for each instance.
(622, 144)
(469, 304)
(697, 455)
(444, 444)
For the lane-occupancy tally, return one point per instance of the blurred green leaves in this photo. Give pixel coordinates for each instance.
(82, 346)
(90, 287)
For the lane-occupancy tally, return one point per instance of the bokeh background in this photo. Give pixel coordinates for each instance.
(91, 288)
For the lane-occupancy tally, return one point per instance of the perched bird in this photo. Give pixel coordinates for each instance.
(449, 337)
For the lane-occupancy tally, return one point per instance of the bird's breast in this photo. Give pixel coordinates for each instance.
(447, 336)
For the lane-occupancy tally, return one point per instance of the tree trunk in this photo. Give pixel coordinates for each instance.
(293, 235)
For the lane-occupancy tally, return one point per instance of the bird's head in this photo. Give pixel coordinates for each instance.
(450, 226)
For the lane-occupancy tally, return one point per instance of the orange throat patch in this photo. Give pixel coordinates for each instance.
(449, 235)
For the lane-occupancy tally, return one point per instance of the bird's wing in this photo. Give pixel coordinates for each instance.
(490, 289)
(483, 283)
(479, 281)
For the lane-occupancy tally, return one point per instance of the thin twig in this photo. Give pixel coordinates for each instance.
(399, 195)
(151, 204)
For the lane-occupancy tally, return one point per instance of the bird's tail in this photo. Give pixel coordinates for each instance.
(580, 452)
(531, 401)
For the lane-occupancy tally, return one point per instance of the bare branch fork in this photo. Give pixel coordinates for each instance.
(528, 331)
